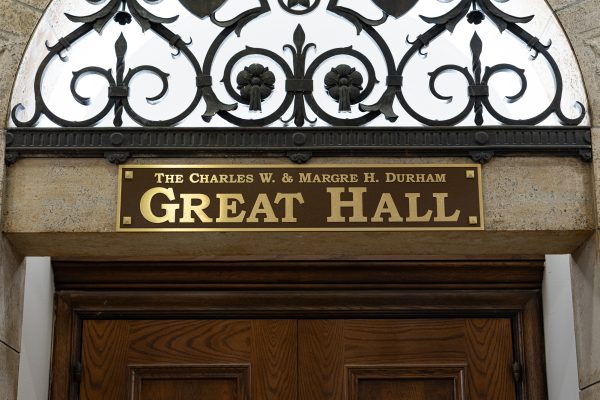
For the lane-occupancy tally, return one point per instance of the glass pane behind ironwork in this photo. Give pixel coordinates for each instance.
(376, 63)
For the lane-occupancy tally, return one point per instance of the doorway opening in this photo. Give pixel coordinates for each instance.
(299, 330)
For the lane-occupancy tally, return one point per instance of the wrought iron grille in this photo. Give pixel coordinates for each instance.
(304, 98)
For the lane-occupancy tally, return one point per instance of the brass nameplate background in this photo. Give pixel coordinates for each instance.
(201, 198)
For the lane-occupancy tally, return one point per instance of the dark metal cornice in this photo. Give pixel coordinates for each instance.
(300, 144)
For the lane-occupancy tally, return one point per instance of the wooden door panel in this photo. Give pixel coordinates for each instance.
(194, 342)
(274, 360)
(408, 382)
(490, 358)
(158, 359)
(410, 359)
(321, 359)
(183, 389)
(104, 356)
(420, 341)
(413, 389)
(188, 383)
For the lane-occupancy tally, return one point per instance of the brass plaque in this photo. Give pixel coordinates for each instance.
(203, 198)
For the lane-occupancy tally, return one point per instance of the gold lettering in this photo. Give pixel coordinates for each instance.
(171, 178)
(198, 178)
(441, 209)
(266, 177)
(289, 199)
(413, 209)
(262, 206)
(387, 206)
(159, 177)
(198, 209)
(370, 177)
(170, 209)
(356, 204)
(305, 177)
(228, 208)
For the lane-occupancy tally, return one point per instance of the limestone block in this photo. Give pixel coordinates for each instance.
(12, 281)
(532, 206)
(200, 246)
(596, 171)
(558, 5)
(9, 373)
(581, 20)
(591, 393)
(18, 18)
(67, 195)
(39, 4)
(11, 50)
(2, 165)
(585, 275)
(537, 194)
(79, 195)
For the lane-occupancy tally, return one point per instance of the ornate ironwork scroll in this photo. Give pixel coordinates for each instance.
(344, 84)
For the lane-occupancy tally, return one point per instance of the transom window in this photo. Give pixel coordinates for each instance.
(298, 63)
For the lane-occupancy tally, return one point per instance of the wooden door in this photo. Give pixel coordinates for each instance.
(409, 359)
(298, 330)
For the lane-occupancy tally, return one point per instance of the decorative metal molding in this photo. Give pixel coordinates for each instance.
(117, 145)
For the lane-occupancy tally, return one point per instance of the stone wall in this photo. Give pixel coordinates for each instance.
(561, 224)
(581, 21)
(67, 208)
(17, 22)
